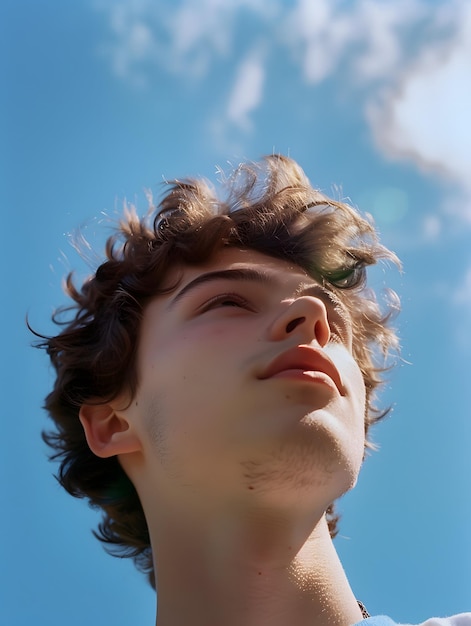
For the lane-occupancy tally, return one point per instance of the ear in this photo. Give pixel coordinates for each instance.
(107, 432)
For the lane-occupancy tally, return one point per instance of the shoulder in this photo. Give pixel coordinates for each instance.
(462, 619)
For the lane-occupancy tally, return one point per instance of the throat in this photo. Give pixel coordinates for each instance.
(226, 581)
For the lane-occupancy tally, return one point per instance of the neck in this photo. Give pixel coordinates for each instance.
(263, 569)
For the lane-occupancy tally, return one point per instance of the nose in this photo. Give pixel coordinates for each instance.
(307, 317)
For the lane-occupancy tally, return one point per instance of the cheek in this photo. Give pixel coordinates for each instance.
(199, 360)
(182, 387)
(359, 413)
(358, 402)
(358, 389)
(352, 380)
(355, 402)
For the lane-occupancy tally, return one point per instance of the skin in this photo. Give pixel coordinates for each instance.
(235, 469)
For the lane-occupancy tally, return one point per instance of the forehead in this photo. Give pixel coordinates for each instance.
(241, 258)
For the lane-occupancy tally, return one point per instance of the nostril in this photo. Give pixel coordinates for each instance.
(292, 325)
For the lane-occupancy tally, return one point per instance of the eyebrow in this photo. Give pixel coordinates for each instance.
(248, 274)
(256, 275)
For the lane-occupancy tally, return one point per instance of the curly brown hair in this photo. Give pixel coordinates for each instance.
(271, 208)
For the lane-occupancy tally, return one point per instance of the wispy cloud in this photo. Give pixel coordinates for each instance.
(405, 64)
(185, 37)
(317, 41)
(364, 36)
(423, 116)
(247, 91)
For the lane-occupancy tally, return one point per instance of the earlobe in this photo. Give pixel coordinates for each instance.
(107, 432)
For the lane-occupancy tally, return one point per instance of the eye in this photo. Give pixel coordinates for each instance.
(225, 300)
(347, 278)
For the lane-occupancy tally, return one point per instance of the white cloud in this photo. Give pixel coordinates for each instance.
(247, 90)
(424, 117)
(318, 40)
(408, 66)
(383, 26)
(184, 37)
(327, 31)
(366, 36)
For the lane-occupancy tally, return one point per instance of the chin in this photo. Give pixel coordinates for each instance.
(313, 465)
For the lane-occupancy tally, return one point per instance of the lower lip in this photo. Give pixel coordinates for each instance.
(306, 376)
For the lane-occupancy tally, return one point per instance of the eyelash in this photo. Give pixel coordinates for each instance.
(233, 298)
(337, 330)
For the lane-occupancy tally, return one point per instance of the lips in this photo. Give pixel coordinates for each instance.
(304, 359)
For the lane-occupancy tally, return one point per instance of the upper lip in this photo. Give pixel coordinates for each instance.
(306, 358)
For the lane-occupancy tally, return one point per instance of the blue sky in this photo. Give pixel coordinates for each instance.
(102, 100)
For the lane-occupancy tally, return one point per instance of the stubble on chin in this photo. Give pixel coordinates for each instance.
(303, 465)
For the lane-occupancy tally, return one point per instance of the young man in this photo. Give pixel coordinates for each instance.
(214, 393)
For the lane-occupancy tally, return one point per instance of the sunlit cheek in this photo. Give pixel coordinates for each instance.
(356, 396)
(359, 398)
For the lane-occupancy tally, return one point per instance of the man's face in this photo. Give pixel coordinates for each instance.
(247, 383)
